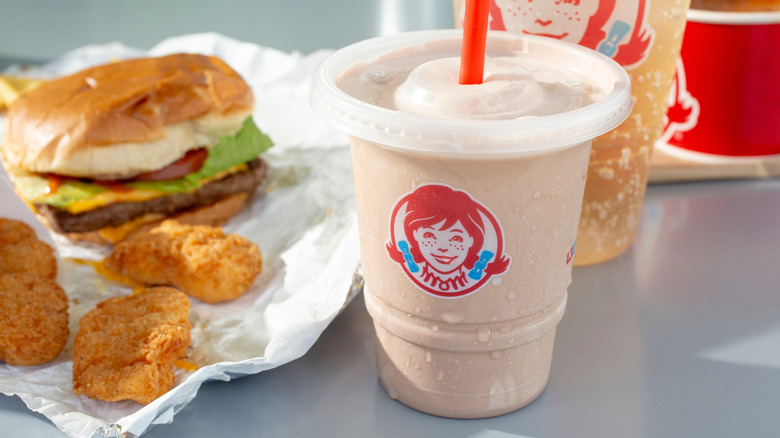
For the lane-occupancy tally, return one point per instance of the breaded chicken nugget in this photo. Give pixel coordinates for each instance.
(201, 261)
(14, 231)
(33, 319)
(125, 348)
(30, 256)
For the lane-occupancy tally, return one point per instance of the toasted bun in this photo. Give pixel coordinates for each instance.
(120, 119)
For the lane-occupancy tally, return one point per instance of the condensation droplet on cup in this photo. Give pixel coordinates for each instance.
(606, 172)
(537, 194)
(428, 356)
(511, 296)
(452, 317)
(483, 334)
(497, 354)
(440, 376)
(625, 158)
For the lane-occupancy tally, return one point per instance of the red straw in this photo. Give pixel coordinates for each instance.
(472, 55)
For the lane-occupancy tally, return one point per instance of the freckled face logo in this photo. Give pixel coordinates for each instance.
(447, 243)
(618, 29)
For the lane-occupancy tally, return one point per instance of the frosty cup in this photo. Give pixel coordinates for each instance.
(468, 198)
(644, 36)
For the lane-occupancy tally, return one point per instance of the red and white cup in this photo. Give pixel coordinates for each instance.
(726, 96)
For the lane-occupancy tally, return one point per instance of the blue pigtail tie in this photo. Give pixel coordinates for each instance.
(404, 247)
(616, 33)
(481, 264)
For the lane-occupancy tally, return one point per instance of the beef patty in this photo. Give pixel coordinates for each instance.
(113, 215)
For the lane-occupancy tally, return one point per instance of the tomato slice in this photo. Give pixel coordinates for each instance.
(115, 186)
(55, 181)
(192, 161)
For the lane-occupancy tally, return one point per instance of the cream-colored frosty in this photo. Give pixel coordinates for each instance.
(468, 199)
(489, 352)
(645, 37)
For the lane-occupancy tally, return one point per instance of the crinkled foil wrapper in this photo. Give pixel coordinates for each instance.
(303, 219)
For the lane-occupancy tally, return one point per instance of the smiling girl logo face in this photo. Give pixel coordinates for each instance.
(444, 249)
(562, 19)
(446, 242)
(618, 29)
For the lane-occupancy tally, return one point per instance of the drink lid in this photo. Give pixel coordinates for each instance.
(733, 17)
(477, 137)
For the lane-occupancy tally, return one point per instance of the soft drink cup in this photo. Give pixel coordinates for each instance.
(467, 214)
(726, 102)
(644, 36)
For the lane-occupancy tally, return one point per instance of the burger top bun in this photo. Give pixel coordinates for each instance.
(120, 119)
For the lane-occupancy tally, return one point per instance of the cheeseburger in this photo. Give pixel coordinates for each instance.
(112, 148)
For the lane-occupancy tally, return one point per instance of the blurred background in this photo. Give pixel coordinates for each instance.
(33, 31)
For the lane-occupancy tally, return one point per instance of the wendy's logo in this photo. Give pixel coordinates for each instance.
(684, 109)
(618, 29)
(447, 243)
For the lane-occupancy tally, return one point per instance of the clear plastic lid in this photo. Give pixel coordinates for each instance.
(528, 134)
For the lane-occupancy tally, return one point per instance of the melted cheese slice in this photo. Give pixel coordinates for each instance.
(135, 195)
(117, 234)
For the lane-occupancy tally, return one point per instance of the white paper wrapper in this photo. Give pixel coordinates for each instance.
(304, 223)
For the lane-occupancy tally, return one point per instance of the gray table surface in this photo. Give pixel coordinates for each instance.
(678, 337)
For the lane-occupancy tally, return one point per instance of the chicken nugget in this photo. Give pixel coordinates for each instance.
(125, 348)
(30, 256)
(33, 319)
(201, 261)
(14, 231)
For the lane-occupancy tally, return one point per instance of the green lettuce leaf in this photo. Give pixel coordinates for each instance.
(73, 191)
(35, 188)
(246, 145)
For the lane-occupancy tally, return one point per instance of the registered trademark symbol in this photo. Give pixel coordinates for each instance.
(496, 281)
